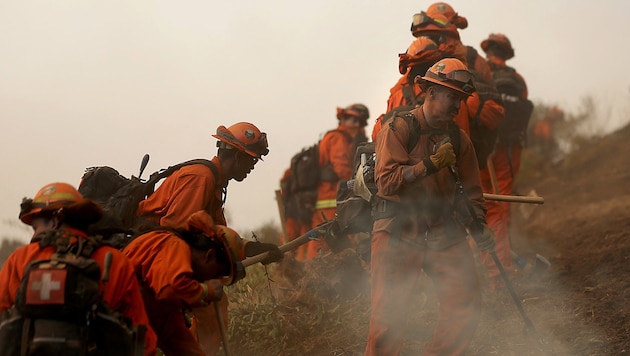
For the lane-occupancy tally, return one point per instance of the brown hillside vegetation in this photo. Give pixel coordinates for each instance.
(580, 306)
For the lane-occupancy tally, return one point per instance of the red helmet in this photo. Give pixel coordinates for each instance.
(359, 111)
(424, 24)
(498, 41)
(442, 8)
(244, 137)
(421, 51)
(56, 196)
(451, 73)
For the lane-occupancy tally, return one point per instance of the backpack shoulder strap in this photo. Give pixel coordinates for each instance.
(60, 239)
(452, 131)
(159, 175)
(471, 57)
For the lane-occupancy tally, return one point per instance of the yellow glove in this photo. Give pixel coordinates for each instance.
(443, 157)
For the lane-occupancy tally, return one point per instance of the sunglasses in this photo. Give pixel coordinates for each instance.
(463, 79)
(422, 19)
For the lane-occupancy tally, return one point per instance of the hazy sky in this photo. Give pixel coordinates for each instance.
(87, 83)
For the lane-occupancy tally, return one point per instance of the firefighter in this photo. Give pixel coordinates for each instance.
(483, 111)
(297, 219)
(199, 187)
(415, 227)
(173, 266)
(60, 207)
(544, 141)
(504, 162)
(406, 94)
(336, 159)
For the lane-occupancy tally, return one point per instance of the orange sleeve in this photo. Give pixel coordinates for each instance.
(188, 190)
(190, 194)
(335, 149)
(170, 273)
(492, 113)
(122, 293)
(377, 127)
(10, 280)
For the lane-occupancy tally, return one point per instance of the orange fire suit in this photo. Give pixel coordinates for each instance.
(122, 292)
(490, 115)
(293, 223)
(415, 229)
(492, 112)
(336, 151)
(188, 190)
(162, 261)
(506, 161)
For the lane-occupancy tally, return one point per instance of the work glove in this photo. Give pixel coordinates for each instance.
(484, 238)
(254, 248)
(212, 291)
(443, 157)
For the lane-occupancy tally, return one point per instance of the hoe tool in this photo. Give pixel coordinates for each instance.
(475, 229)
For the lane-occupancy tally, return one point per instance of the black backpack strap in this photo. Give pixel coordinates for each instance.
(60, 239)
(452, 131)
(159, 175)
(471, 57)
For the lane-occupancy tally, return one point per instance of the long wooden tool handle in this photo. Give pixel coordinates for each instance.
(283, 219)
(291, 245)
(514, 198)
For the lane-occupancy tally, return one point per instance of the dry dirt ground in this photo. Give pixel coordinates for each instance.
(580, 306)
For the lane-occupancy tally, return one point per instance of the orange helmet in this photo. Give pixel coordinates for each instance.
(446, 10)
(424, 24)
(51, 197)
(244, 137)
(498, 41)
(232, 244)
(421, 51)
(359, 111)
(555, 114)
(235, 248)
(451, 73)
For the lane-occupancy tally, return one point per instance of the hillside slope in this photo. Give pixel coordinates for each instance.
(578, 307)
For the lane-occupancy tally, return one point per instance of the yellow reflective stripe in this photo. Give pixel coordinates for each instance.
(55, 196)
(325, 204)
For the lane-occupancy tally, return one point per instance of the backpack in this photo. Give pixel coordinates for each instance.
(483, 138)
(355, 196)
(513, 128)
(306, 176)
(59, 309)
(119, 196)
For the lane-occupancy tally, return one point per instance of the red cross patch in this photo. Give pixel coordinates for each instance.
(46, 286)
